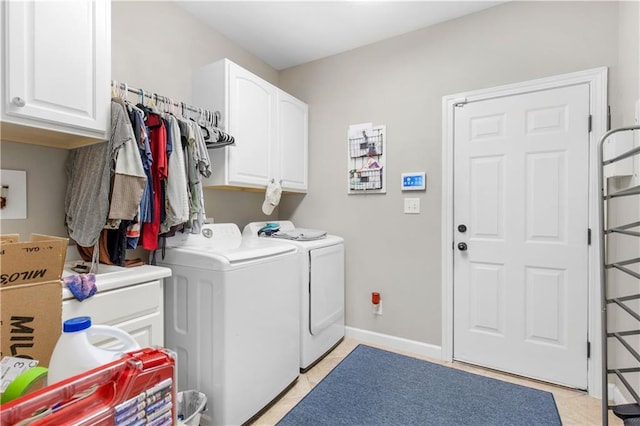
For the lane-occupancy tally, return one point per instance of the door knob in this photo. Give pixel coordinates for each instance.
(462, 228)
(462, 246)
(19, 102)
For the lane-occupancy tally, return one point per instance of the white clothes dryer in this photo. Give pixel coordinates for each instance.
(233, 318)
(322, 288)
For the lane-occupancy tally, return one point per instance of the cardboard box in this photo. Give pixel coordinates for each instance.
(31, 320)
(31, 295)
(38, 260)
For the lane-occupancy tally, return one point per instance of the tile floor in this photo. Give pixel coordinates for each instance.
(575, 407)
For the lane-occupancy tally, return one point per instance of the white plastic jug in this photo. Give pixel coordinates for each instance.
(74, 353)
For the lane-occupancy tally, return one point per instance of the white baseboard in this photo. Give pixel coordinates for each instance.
(398, 343)
(615, 396)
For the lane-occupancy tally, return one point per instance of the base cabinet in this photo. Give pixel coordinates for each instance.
(137, 309)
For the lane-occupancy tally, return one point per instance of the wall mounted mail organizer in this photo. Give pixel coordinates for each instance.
(366, 159)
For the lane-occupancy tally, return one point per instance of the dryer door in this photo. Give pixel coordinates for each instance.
(326, 287)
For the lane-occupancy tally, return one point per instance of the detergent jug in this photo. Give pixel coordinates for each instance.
(74, 353)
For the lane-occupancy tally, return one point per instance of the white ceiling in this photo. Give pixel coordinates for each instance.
(289, 33)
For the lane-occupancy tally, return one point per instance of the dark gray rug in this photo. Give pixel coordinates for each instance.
(376, 387)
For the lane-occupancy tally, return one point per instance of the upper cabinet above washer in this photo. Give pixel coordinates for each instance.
(270, 128)
(56, 62)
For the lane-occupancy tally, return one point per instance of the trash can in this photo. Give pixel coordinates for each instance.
(190, 405)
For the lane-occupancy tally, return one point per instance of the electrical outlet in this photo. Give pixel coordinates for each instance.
(377, 309)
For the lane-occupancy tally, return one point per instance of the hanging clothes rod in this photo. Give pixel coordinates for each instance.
(163, 99)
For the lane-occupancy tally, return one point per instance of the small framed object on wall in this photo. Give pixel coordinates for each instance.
(13, 200)
(414, 181)
(366, 159)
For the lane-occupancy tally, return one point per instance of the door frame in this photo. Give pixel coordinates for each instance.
(596, 78)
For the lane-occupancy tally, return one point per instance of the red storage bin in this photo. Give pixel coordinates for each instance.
(106, 395)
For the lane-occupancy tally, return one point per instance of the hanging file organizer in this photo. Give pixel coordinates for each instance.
(366, 159)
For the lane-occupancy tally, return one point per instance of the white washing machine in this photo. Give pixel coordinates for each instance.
(233, 318)
(321, 291)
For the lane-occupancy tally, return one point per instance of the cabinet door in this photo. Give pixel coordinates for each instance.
(252, 108)
(292, 162)
(57, 63)
(137, 309)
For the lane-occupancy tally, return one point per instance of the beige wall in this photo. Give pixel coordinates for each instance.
(400, 82)
(160, 56)
(46, 184)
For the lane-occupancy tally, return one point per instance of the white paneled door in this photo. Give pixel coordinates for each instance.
(521, 175)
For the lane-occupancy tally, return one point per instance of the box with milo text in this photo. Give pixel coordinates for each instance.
(31, 295)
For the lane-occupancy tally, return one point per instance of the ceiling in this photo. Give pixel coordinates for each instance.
(288, 33)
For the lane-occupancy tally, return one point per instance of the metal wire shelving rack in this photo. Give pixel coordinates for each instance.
(627, 374)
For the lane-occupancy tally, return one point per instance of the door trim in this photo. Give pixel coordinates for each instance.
(596, 78)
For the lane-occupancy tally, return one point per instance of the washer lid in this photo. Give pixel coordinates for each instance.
(246, 250)
(225, 254)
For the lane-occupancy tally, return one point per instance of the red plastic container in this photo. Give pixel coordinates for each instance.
(91, 398)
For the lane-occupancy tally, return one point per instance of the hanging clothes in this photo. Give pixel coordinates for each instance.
(144, 182)
(159, 172)
(203, 167)
(197, 163)
(130, 179)
(144, 211)
(88, 184)
(177, 208)
(201, 155)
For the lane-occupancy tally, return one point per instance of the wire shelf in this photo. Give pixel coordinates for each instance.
(366, 179)
(367, 145)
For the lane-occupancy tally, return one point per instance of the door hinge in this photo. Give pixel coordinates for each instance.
(590, 123)
(608, 117)
(588, 350)
(459, 102)
(589, 236)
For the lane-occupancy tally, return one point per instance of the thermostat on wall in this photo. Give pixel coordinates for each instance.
(415, 181)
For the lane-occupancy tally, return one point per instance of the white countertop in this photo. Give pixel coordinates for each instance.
(110, 277)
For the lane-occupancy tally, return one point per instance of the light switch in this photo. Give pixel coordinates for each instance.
(412, 205)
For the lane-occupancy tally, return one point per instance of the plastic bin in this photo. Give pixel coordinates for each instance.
(190, 405)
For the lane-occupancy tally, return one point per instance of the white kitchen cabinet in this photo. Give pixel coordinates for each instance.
(56, 71)
(270, 128)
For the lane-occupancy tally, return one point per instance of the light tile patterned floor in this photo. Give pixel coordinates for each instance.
(575, 407)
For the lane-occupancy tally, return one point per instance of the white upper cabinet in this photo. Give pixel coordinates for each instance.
(293, 131)
(269, 126)
(56, 62)
(251, 110)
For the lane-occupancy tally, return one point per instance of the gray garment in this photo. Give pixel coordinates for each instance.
(177, 195)
(88, 183)
(130, 179)
(201, 155)
(195, 163)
